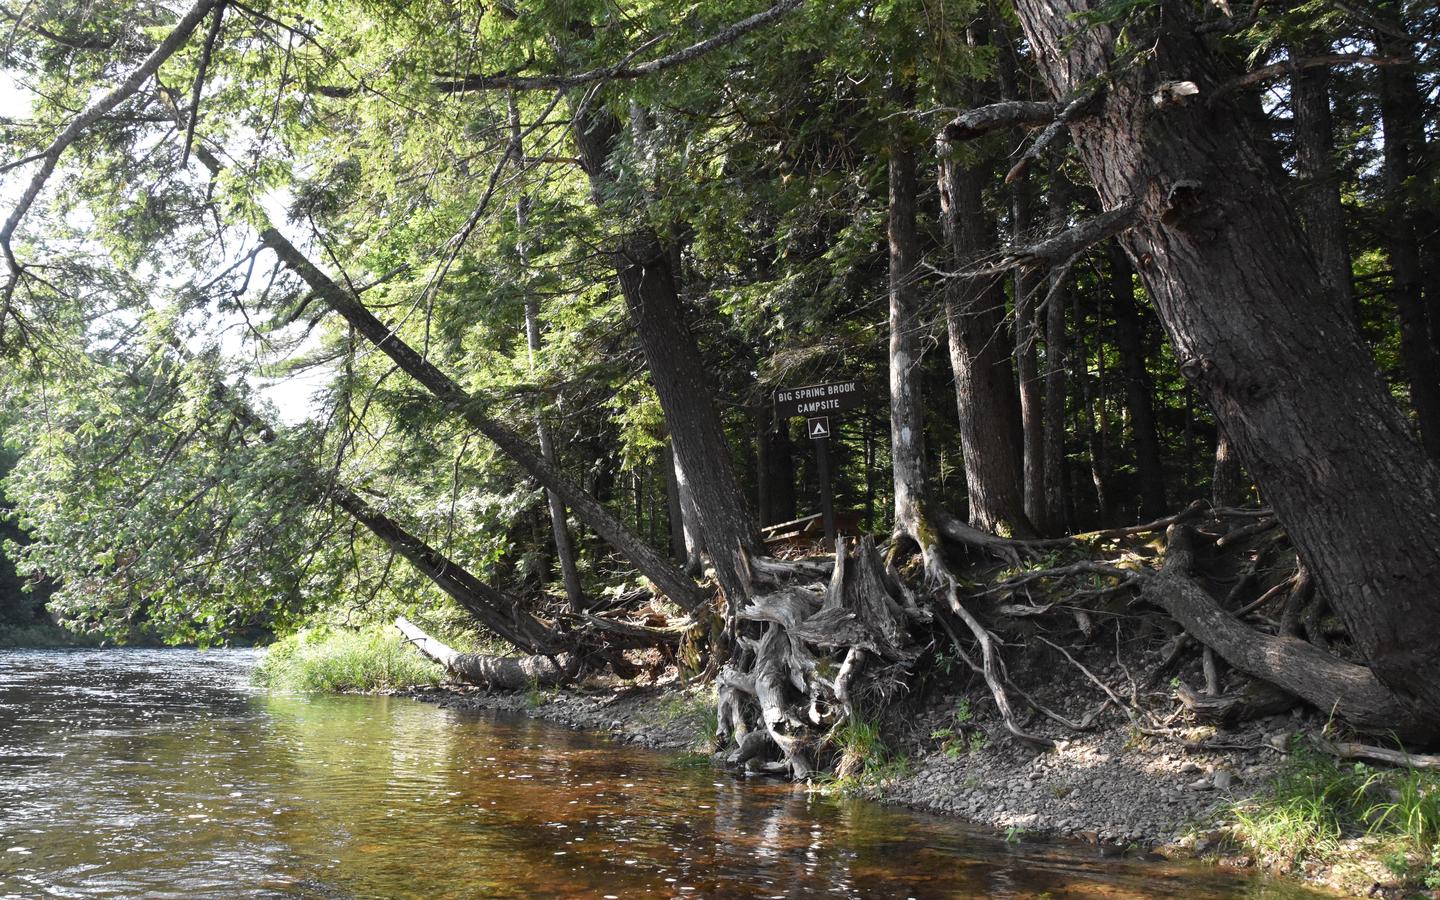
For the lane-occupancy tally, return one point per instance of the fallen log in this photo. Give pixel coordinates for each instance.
(1328, 682)
(501, 672)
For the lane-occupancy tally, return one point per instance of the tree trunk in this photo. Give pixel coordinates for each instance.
(689, 520)
(674, 516)
(907, 422)
(1401, 116)
(560, 531)
(1139, 390)
(980, 352)
(1320, 206)
(1027, 358)
(676, 368)
(1277, 356)
(1227, 484)
(1391, 40)
(501, 614)
(649, 563)
(1092, 413)
(1056, 389)
(775, 469)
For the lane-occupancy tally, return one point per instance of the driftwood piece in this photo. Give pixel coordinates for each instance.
(1350, 750)
(502, 672)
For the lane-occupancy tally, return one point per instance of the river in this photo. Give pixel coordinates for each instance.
(164, 773)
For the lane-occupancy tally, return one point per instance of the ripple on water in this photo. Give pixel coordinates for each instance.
(166, 774)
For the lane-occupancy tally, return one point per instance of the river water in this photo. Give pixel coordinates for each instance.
(163, 773)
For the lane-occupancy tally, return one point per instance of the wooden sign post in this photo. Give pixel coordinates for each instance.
(816, 403)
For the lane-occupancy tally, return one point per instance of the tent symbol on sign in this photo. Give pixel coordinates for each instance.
(818, 427)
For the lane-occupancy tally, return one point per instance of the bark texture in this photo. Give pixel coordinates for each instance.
(652, 294)
(980, 354)
(1275, 353)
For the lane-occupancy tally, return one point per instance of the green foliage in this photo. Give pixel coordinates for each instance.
(42, 635)
(1316, 801)
(334, 660)
(960, 736)
(866, 760)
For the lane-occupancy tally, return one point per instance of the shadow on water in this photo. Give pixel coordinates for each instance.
(133, 773)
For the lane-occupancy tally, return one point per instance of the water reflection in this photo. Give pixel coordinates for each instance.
(163, 774)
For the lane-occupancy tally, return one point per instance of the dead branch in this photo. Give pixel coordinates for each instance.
(503, 672)
(1058, 248)
(1189, 512)
(1245, 531)
(1291, 66)
(1258, 699)
(991, 668)
(1133, 712)
(1084, 567)
(1349, 750)
(1072, 111)
(1009, 114)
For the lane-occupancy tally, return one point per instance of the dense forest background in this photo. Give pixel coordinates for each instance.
(550, 261)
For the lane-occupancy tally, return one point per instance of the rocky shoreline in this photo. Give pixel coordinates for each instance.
(1117, 788)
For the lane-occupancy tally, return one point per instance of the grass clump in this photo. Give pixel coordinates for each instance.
(335, 660)
(1317, 802)
(866, 760)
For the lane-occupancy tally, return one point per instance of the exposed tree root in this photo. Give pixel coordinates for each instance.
(1257, 699)
(808, 660)
(1351, 691)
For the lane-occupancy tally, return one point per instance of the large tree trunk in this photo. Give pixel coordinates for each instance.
(341, 300)
(501, 614)
(1149, 469)
(677, 370)
(1401, 115)
(980, 352)
(1275, 353)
